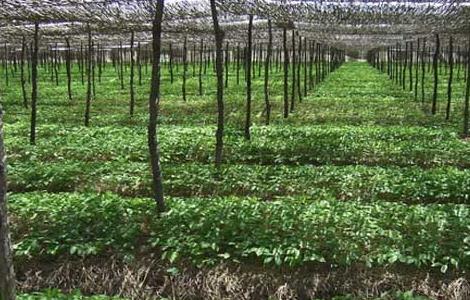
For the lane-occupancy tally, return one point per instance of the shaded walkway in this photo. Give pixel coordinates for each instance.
(357, 94)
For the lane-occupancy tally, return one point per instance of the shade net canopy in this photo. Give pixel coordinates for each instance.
(353, 25)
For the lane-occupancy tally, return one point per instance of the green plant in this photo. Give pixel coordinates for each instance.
(289, 231)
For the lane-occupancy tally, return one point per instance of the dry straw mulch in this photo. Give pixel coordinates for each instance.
(150, 279)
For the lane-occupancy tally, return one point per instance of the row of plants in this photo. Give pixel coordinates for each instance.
(368, 98)
(109, 92)
(322, 110)
(292, 231)
(370, 145)
(408, 184)
(109, 88)
(306, 221)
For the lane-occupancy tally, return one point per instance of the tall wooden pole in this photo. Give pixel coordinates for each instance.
(286, 72)
(417, 70)
(154, 102)
(466, 110)
(170, 53)
(451, 75)
(423, 70)
(131, 78)
(219, 36)
(305, 66)
(410, 69)
(34, 84)
(299, 66)
(185, 67)
(227, 61)
(139, 62)
(23, 80)
(89, 82)
(405, 67)
(7, 274)
(121, 64)
(310, 64)
(55, 64)
(201, 51)
(436, 74)
(238, 63)
(266, 72)
(6, 64)
(294, 63)
(68, 68)
(248, 78)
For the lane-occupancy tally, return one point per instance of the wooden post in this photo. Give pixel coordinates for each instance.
(131, 79)
(459, 62)
(55, 63)
(248, 78)
(436, 74)
(201, 62)
(89, 83)
(7, 274)
(51, 62)
(417, 70)
(219, 36)
(81, 64)
(318, 65)
(206, 59)
(154, 102)
(324, 62)
(121, 64)
(423, 70)
(68, 69)
(185, 67)
(22, 78)
(294, 63)
(193, 59)
(5, 59)
(30, 53)
(310, 64)
(93, 65)
(466, 111)
(389, 64)
(170, 54)
(305, 66)
(101, 61)
(139, 62)
(286, 72)
(299, 66)
(266, 72)
(405, 66)
(253, 61)
(411, 66)
(451, 75)
(34, 84)
(260, 58)
(238, 63)
(397, 58)
(227, 57)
